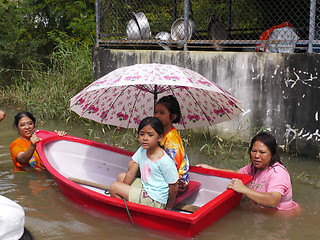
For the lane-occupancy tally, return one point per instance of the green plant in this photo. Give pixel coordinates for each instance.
(46, 90)
(125, 138)
(231, 149)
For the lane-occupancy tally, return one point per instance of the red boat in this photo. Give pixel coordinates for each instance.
(68, 157)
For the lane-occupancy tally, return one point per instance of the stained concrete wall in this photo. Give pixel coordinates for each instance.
(280, 92)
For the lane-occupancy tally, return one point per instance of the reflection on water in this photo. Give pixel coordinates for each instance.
(49, 215)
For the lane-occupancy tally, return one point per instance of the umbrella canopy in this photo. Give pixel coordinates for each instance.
(126, 95)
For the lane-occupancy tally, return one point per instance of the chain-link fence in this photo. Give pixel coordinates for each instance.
(247, 25)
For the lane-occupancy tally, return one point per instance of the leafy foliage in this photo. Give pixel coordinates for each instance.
(33, 28)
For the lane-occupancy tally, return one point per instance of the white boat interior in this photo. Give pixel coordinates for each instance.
(94, 164)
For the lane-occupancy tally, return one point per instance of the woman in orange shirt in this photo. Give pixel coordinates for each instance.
(2, 115)
(23, 149)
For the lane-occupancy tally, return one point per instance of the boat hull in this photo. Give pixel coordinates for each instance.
(69, 156)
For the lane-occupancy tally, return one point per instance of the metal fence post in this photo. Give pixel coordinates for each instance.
(186, 23)
(174, 10)
(229, 16)
(312, 24)
(97, 21)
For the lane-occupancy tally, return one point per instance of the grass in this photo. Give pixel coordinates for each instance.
(229, 151)
(47, 90)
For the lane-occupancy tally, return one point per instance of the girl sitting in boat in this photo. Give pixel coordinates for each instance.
(168, 111)
(158, 185)
(23, 149)
(271, 185)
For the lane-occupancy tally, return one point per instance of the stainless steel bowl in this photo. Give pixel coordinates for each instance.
(177, 29)
(133, 31)
(217, 31)
(164, 36)
(143, 24)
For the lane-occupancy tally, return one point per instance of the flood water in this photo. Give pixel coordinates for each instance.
(49, 215)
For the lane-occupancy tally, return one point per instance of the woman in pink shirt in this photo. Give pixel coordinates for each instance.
(271, 185)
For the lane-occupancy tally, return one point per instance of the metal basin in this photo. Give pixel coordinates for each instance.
(133, 31)
(164, 36)
(143, 25)
(177, 29)
(217, 31)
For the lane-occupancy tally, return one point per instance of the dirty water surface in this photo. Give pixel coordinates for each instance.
(50, 215)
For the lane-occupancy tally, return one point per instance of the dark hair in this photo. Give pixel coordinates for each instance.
(268, 140)
(21, 115)
(154, 122)
(172, 105)
(26, 235)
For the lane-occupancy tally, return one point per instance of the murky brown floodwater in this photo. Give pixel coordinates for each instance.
(49, 215)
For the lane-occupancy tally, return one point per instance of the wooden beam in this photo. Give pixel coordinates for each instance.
(88, 183)
(180, 206)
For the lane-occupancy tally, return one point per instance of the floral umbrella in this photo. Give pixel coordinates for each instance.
(126, 95)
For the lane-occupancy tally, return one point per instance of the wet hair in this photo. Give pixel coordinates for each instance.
(26, 235)
(154, 122)
(172, 105)
(268, 140)
(21, 115)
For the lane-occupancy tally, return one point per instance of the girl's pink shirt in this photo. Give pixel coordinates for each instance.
(274, 179)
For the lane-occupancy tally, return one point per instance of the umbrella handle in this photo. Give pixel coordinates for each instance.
(155, 97)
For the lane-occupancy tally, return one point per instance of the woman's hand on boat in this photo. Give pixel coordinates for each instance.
(2, 115)
(60, 133)
(204, 166)
(214, 168)
(237, 185)
(265, 199)
(34, 139)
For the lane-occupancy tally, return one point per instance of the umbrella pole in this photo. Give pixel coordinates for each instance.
(155, 94)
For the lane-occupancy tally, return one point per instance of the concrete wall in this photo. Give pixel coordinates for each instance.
(280, 92)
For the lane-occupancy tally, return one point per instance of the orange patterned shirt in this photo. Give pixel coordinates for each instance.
(21, 145)
(173, 145)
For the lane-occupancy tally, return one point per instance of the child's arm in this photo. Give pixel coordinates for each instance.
(173, 190)
(131, 174)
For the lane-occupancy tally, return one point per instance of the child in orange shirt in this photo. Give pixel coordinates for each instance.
(168, 111)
